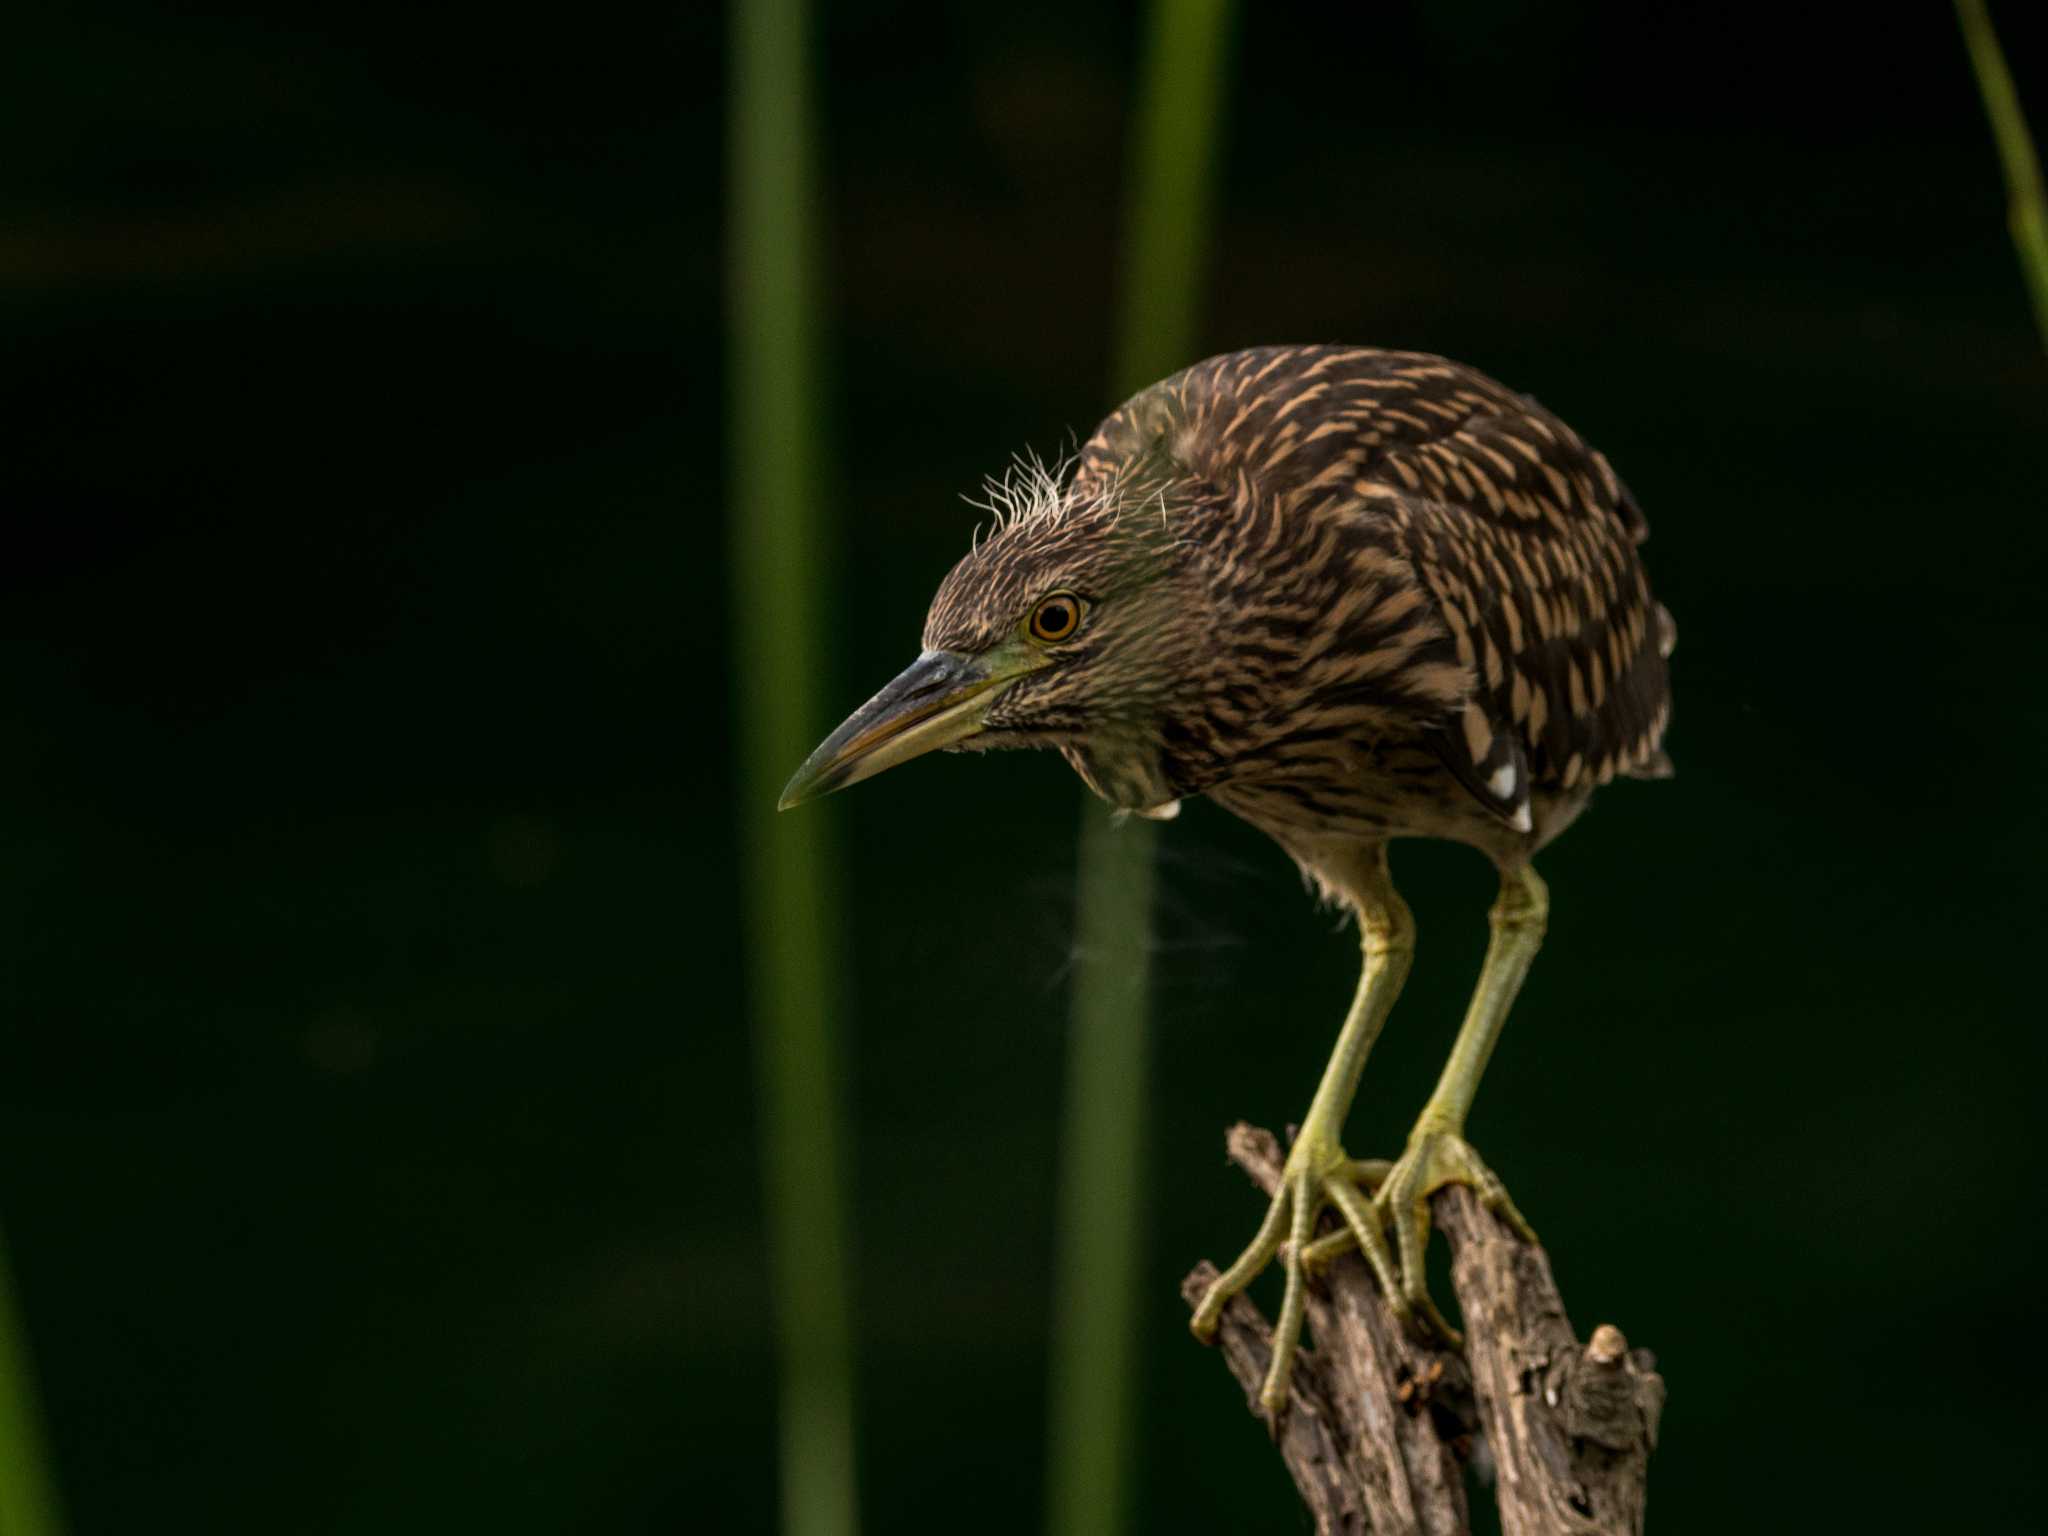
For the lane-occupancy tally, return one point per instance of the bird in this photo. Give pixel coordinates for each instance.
(1349, 595)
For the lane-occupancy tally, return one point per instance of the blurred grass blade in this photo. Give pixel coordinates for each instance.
(778, 559)
(2027, 202)
(28, 1502)
(1166, 244)
(1101, 1225)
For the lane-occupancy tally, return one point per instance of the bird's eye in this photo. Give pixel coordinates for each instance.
(1056, 617)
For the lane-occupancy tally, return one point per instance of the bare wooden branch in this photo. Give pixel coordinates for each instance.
(1379, 1426)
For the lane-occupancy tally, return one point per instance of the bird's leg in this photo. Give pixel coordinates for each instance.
(1317, 1171)
(1438, 1153)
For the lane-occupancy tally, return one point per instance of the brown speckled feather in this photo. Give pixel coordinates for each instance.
(1434, 574)
(1349, 595)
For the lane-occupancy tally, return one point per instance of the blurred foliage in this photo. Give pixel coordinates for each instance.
(375, 1144)
(2027, 210)
(781, 548)
(1098, 1320)
(28, 1504)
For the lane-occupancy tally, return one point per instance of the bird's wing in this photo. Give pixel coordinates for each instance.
(1520, 533)
(1564, 645)
(1519, 530)
(1299, 420)
(1526, 539)
(1437, 429)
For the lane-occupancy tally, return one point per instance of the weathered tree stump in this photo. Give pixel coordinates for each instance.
(1379, 1426)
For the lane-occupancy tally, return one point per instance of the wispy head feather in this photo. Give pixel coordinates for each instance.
(1029, 491)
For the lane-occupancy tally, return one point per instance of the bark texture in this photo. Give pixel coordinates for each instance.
(1380, 1427)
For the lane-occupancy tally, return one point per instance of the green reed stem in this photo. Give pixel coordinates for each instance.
(1096, 1357)
(2028, 207)
(778, 561)
(28, 1498)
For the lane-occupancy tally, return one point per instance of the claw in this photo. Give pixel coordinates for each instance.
(1434, 1159)
(1317, 1175)
(1368, 1172)
(1327, 1249)
(1256, 1256)
(1314, 1176)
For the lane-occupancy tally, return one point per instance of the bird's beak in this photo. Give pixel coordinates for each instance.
(938, 700)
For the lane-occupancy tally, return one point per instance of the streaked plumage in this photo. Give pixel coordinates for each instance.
(1350, 595)
(1423, 610)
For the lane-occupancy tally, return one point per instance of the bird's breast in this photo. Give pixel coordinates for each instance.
(1364, 788)
(1124, 768)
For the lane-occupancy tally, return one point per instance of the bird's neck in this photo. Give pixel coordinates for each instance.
(1124, 766)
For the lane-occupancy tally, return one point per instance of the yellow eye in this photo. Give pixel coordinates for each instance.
(1056, 617)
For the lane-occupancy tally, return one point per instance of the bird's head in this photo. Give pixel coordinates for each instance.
(1080, 623)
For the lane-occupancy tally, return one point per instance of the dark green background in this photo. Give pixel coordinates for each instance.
(376, 1142)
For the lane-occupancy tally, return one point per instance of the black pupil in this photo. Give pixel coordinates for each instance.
(1055, 618)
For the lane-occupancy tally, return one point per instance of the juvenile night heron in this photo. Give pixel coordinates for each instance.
(1350, 595)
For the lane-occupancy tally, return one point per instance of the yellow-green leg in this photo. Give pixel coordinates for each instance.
(1438, 1153)
(1317, 1171)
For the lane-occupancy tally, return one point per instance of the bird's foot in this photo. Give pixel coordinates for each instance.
(1435, 1157)
(1317, 1173)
